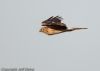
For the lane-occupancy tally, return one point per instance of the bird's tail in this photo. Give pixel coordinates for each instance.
(73, 29)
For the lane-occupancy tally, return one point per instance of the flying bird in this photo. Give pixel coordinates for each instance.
(54, 25)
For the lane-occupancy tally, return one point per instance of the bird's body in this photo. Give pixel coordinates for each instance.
(51, 31)
(53, 25)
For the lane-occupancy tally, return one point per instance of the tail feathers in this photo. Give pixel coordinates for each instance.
(73, 29)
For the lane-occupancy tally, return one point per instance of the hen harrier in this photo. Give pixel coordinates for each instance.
(54, 25)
